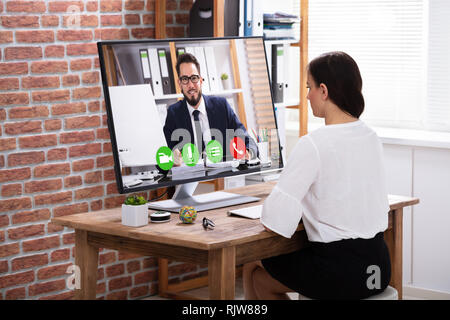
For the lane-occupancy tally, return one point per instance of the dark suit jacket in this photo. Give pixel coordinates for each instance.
(220, 117)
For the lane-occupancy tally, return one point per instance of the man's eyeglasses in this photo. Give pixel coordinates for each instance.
(185, 79)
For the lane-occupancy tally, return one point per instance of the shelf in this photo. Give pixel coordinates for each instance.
(217, 93)
(287, 104)
(281, 41)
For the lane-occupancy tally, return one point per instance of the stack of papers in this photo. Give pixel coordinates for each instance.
(279, 25)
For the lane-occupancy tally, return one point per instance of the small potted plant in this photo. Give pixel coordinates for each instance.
(135, 212)
(225, 82)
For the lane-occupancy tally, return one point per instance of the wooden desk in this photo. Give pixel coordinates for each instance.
(233, 242)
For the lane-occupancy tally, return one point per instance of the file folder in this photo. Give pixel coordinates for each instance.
(145, 64)
(200, 55)
(257, 18)
(277, 72)
(248, 18)
(212, 69)
(165, 75)
(180, 51)
(241, 18)
(155, 71)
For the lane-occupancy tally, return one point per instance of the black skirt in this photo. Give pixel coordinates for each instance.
(345, 269)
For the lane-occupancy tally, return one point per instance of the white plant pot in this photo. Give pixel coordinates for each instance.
(226, 84)
(134, 216)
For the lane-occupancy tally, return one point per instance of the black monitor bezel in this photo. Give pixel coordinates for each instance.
(111, 128)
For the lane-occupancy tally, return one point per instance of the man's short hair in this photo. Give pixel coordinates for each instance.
(187, 58)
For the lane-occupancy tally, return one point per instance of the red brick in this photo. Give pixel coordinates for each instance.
(171, 5)
(40, 244)
(105, 161)
(90, 77)
(70, 209)
(63, 6)
(49, 170)
(93, 177)
(92, 6)
(96, 205)
(69, 238)
(84, 21)
(54, 51)
(20, 21)
(107, 20)
(35, 36)
(61, 254)
(9, 84)
(16, 294)
(16, 279)
(46, 287)
(133, 266)
(23, 53)
(49, 21)
(151, 5)
(94, 106)
(9, 250)
(57, 154)
(113, 34)
(139, 292)
(82, 49)
(132, 19)
(110, 5)
(41, 141)
(15, 204)
(43, 185)
(119, 283)
(74, 35)
(10, 68)
(49, 67)
(82, 122)
(114, 202)
(2, 161)
(111, 188)
(68, 108)
(90, 192)
(14, 128)
(2, 236)
(6, 36)
(71, 182)
(25, 6)
(14, 98)
(182, 18)
(69, 295)
(115, 270)
(128, 255)
(53, 124)
(50, 96)
(145, 277)
(53, 198)
(85, 93)
(7, 144)
(75, 137)
(103, 133)
(80, 64)
(40, 82)
(107, 258)
(27, 231)
(143, 33)
(31, 216)
(52, 228)
(83, 165)
(148, 19)
(175, 32)
(28, 112)
(53, 271)
(15, 174)
(25, 158)
(29, 261)
(2, 114)
(4, 220)
(134, 5)
(9, 190)
(71, 80)
(96, 63)
(85, 150)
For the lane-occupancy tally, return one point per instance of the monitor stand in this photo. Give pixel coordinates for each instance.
(184, 197)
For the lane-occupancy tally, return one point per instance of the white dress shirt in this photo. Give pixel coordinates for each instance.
(204, 122)
(335, 182)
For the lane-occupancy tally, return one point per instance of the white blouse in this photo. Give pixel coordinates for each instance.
(334, 180)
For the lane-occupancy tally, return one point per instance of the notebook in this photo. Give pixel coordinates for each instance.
(249, 212)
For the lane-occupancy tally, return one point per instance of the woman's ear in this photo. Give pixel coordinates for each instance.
(324, 91)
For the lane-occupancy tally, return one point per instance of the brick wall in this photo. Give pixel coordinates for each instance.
(55, 152)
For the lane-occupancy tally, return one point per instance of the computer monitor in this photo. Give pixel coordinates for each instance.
(157, 138)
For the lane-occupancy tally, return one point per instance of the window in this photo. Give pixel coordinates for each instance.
(402, 49)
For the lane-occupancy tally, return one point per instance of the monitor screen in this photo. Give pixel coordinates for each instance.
(211, 115)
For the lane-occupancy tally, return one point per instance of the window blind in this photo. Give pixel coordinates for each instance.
(387, 40)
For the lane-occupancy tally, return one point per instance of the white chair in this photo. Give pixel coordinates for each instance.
(388, 294)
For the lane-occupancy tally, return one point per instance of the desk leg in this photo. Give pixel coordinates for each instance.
(221, 273)
(86, 258)
(395, 244)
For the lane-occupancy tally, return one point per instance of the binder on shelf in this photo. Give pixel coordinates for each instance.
(258, 18)
(155, 71)
(241, 25)
(248, 18)
(145, 64)
(199, 53)
(180, 51)
(212, 69)
(277, 72)
(190, 50)
(164, 64)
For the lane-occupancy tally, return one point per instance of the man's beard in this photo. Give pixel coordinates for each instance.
(193, 101)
